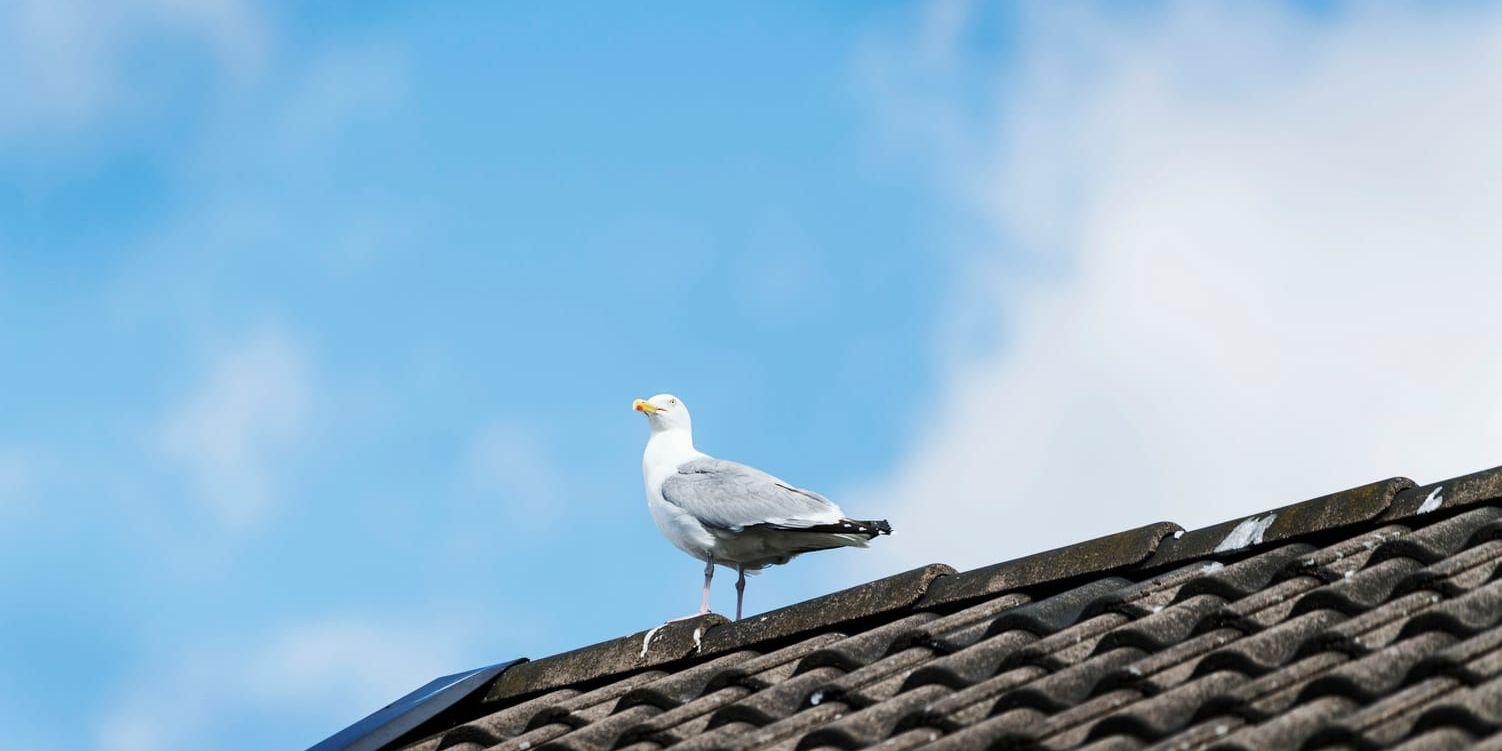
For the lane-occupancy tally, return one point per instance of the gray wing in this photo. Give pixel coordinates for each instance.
(727, 495)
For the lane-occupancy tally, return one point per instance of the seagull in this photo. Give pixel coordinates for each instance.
(729, 514)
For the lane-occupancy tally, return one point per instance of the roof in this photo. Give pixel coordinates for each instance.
(1367, 618)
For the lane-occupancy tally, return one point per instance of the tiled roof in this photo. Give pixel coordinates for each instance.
(1363, 619)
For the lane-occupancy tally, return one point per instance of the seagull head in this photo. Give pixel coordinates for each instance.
(664, 412)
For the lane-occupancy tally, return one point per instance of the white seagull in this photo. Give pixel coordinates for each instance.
(730, 514)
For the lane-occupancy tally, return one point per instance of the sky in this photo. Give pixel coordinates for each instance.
(320, 323)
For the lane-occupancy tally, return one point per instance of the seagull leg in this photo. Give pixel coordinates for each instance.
(708, 574)
(740, 590)
(704, 599)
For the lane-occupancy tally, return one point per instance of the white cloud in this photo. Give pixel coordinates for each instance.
(1243, 257)
(64, 64)
(231, 431)
(319, 674)
(351, 661)
(341, 88)
(17, 477)
(509, 471)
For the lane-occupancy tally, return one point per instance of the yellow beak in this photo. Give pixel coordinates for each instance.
(643, 406)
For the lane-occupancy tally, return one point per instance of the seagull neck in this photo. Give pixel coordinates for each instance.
(671, 444)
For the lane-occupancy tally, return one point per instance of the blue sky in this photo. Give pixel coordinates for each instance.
(322, 323)
(294, 294)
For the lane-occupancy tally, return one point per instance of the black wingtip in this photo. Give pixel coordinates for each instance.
(871, 529)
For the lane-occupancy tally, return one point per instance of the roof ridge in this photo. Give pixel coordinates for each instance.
(1140, 564)
(1142, 549)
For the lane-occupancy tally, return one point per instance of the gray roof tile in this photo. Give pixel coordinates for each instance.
(1362, 619)
(972, 664)
(1288, 729)
(1439, 739)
